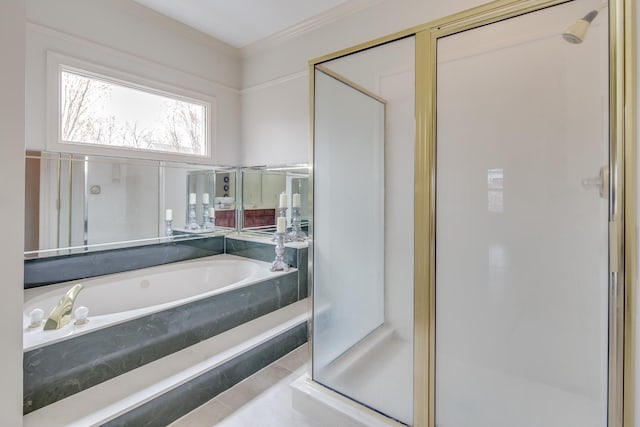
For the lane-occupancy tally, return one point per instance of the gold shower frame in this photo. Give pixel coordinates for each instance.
(623, 251)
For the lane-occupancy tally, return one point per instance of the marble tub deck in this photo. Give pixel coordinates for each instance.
(59, 370)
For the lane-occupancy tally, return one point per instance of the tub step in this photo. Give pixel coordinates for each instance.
(164, 390)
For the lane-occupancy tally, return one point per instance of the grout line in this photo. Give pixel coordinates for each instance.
(284, 367)
(278, 362)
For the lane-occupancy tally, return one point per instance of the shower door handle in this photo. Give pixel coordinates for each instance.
(601, 182)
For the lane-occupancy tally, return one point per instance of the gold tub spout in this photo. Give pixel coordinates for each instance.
(61, 314)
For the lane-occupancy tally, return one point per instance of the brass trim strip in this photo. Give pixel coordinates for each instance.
(630, 209)
(432, 144)
(350, 83)
(491, 13)
(422, 243)
(482, 13)
(363, 46)
(617, 193)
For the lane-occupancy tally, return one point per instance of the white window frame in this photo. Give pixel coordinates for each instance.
(57, 63)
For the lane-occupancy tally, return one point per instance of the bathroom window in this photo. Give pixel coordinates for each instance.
(94, 110)
(97, 110)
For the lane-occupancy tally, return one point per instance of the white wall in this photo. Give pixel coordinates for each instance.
(275, 122)
(275, 97)
(124, 36)
(12, 41)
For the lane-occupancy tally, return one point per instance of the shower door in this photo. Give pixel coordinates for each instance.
(362, 269)
(522, 214)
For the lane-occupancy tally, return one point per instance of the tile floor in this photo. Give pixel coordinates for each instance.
(262, 400)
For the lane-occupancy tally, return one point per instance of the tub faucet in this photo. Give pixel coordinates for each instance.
(61, 314)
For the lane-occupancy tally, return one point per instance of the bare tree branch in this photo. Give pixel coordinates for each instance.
(81, 94)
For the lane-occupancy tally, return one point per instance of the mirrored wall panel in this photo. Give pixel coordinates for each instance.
(77, 203)
(214, 192)
(262, 190)
(364, 144)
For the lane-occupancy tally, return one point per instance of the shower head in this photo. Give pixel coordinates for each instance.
(576, 33)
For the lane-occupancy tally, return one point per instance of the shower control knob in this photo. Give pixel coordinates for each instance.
(81, 314)
(600, 182)
(36, 316)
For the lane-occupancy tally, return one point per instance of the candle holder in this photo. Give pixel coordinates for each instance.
(282, 213)
(210, 222)
(279, 264)
(296, 234)
(206, 222)
(168, 228)
(193, 225)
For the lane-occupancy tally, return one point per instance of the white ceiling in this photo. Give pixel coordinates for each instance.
(241, 22)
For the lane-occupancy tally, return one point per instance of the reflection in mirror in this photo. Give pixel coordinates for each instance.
(214, 198)
(76, 203)
(262, 188)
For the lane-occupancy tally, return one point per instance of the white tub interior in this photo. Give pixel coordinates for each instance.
(120, 297)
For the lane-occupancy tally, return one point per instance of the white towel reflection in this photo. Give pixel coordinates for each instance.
(495, 194)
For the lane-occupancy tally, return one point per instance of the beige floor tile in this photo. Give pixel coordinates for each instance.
(206, 415)
(272, 408)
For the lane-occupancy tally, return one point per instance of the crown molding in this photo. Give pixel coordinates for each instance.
(61, 35)
(275, 82)
(332, 15)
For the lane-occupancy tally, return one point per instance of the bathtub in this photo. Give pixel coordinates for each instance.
(121, 297)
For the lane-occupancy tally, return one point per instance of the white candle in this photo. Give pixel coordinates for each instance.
(192, 198)
(212, 213)
(168, 215)
(282, 224)
(283, 200)
(205, 198)
(296, 200)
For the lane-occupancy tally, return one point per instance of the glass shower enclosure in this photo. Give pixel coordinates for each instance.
(473, 257)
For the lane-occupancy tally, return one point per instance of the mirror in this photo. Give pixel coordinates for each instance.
(77, 203)
(262, 188)
(213, 190)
